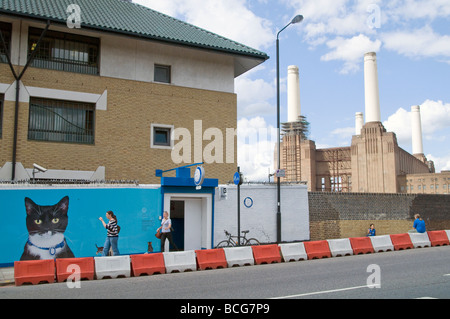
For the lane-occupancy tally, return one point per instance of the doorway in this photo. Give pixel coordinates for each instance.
(191, 217)
(177, 218)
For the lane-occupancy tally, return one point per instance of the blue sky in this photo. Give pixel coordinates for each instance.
(412, 42)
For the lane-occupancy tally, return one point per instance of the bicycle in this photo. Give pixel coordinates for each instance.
(231, 242)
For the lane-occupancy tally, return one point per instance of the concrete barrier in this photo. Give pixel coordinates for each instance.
(112, 267)
(266, 254)
(420, 240)
(148, 264)
(293, 252)
(65, 268)
(34, 271)
(340, 247)
(180, 261)
(382, 243)
(239, 256)
(438, 238)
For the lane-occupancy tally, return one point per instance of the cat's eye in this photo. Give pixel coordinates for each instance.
(55, 220)
(38, 221)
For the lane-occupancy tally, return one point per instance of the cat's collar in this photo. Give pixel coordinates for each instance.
(51, 250)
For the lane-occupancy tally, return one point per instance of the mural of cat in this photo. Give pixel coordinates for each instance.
(46, 226)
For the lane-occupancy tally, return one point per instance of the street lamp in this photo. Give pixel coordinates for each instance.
(297, 19)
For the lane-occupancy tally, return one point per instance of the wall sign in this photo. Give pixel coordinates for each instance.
(248, 202)
(199, 176)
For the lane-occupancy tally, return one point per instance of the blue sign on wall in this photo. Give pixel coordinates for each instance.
(65, 221)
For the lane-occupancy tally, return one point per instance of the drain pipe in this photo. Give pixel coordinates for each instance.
(18, 79)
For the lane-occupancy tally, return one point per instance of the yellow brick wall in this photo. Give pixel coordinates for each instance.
(122, 132)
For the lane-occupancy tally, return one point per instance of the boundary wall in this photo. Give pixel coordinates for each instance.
(342, 215)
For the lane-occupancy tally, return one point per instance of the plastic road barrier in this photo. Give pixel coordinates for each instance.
(211, 259)
(420, 240)
(239, 256)
(361, 245)
(180, 261)
(317, 249)
(112, 267)
(293, 252)
(81, 268)
(340, 247)
(34, 271)
(266, 254)
(147, 264)
(401, 241)
(381, 243)
(438, 238)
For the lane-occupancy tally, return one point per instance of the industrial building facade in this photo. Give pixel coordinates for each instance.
(373, 163)
(103, 101)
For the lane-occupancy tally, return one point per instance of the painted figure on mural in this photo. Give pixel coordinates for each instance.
(46, 226)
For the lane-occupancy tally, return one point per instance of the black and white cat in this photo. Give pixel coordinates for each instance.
(46, 226)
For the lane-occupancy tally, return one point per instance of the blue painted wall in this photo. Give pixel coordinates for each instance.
(137, 210)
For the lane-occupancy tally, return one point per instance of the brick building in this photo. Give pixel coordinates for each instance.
(104, 100)
(373, 163)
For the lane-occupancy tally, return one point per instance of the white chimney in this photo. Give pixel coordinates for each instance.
(359, 122)
(416, 124)
(371, 88)
(293, 93)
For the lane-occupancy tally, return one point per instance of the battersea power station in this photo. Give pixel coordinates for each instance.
(373, 163)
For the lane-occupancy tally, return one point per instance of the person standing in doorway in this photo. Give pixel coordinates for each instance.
(166, 227)
(112, 237)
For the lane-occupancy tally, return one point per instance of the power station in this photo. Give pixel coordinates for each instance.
(373, 163)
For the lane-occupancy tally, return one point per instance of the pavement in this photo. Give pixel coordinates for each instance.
(6, 276)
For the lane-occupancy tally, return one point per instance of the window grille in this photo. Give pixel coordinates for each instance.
(61, 121)
(65, 52)
(5, 28)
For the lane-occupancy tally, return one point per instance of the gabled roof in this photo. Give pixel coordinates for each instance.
(131, 19)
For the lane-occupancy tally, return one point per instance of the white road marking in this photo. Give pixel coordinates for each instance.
(320, 292)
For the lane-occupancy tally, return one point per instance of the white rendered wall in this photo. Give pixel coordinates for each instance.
(260, 219)
(133, 59)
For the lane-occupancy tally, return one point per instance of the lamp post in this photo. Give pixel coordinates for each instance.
(297, 19)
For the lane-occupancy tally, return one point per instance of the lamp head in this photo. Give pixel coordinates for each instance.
(297, 19)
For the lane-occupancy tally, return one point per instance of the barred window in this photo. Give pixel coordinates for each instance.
(61, 121)
(5, 29)
(64, 51)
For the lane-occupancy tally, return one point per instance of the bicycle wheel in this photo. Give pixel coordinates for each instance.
(251, 242)
(224, 244)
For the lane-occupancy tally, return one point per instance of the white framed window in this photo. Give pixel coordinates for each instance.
(161, 136)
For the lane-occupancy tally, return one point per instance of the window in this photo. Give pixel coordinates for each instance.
(64, 51)
(162, 73)
(5, 28)
(61, 121)
(161, 136)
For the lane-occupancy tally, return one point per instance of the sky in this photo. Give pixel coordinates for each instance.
(412, 42)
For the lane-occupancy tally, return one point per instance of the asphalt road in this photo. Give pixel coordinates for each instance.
(410, 274)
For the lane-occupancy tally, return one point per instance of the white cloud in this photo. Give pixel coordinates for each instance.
(435, 117)
(440, 163)
(229, 18)
(418, 43)
(253, 97)
(256, 141)
(350, 51)
(418, 9)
